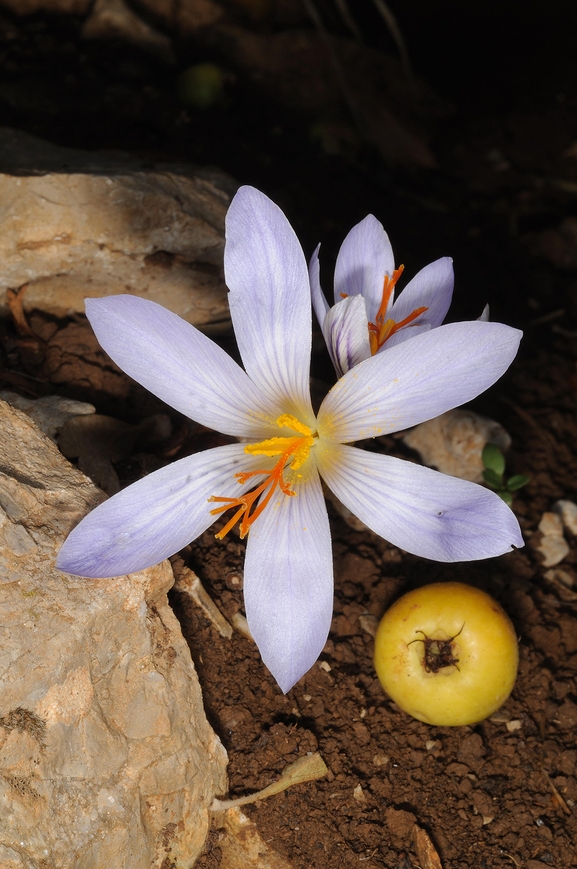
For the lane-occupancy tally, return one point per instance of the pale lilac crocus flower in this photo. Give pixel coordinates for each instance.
(368, 315)
(271, 480)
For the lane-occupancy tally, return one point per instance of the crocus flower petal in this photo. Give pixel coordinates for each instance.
(320, 304)
(404, 334)
(156, 516)
(179, 364)
(432, 288)
(485, 314)
(364, 259)
(417, 380)
(288, 582)
(344, 326)
(420, 510)
(346, 333)
(270, 300)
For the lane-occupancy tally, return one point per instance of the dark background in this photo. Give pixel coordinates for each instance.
(504, 118)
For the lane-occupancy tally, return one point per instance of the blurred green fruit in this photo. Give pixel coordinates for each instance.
(201, 85)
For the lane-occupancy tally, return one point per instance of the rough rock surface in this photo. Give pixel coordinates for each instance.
(242, 846)
(75, 224)
(27, 7)
(186, 15)
(453, 443)
(106, 757)
(49, 412)
(113, 19)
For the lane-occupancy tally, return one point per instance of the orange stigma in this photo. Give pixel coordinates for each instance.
(381, 330)
(293, 450)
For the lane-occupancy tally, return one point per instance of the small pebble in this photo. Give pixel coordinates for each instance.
(560, 575)
(500, 718)
(369, 623)
(380, 760)
(240, 624)
(553, 546)
(553, 549)
(567, 510)
(551, 525)
(234, 581)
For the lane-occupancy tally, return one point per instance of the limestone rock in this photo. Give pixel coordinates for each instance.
(49, 412)
(186, 16)
(453, 443)
(27, 7)
(113, 19)
(77, 224)
(106, 757)
(242, 846)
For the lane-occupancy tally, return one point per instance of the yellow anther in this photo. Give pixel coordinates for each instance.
(292, 451)
(287, 420)
(301, 454)
(269, 447)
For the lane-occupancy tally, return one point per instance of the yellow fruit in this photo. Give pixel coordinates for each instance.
(447, 654)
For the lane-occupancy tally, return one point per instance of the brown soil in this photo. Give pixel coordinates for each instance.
(498, 793)
(501, 201)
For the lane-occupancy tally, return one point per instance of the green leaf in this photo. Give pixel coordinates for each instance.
(506, 496)
(492, 479)
(493, 459)
(517, 482)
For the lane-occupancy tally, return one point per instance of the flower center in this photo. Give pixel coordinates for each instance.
(382, 329)
(291, 451)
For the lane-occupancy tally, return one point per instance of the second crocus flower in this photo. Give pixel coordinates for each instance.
(369, 313)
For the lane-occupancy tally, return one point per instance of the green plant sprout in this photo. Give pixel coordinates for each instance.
(494, 463)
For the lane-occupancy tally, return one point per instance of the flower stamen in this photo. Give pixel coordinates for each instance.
(382, 329)
(291, 450)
